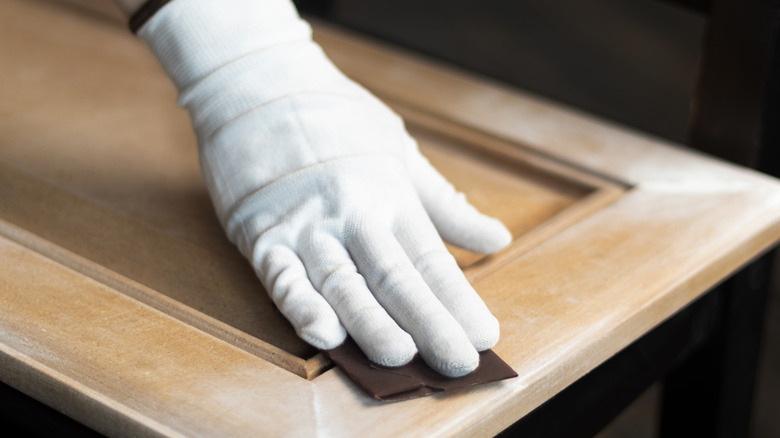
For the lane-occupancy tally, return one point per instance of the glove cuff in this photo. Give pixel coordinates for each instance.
(193, 38)
(230, 57)
(144, 13)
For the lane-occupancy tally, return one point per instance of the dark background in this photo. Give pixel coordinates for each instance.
(632, 61)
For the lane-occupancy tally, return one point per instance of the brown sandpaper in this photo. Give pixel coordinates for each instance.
(415, 379)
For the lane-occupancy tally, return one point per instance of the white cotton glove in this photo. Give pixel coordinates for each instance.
(322, 189)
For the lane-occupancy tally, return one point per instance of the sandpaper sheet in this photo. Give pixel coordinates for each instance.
(415, 379)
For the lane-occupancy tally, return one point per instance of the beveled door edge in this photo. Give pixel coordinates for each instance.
(306, 368)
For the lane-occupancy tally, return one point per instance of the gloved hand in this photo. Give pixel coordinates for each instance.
(321, 188)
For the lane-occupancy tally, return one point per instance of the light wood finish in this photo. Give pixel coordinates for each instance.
(142, 191)
(124, 306)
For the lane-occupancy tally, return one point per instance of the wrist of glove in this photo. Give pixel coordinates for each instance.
(321, 188)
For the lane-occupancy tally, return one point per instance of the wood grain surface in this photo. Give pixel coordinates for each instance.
(124, 306)
(117, 164)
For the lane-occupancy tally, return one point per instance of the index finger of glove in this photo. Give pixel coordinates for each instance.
(438, 267)
(401, 290)
(335, 276)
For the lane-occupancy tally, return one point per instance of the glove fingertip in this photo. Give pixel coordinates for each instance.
(323, 333)
(496, 236)
(466, 363)
(486, 335)
(485, 235)
(389, 346)
(395, 357)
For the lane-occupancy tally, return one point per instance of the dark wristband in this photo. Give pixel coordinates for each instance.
(144, 13)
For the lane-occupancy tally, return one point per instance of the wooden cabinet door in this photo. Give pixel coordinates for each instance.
(124, 306)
